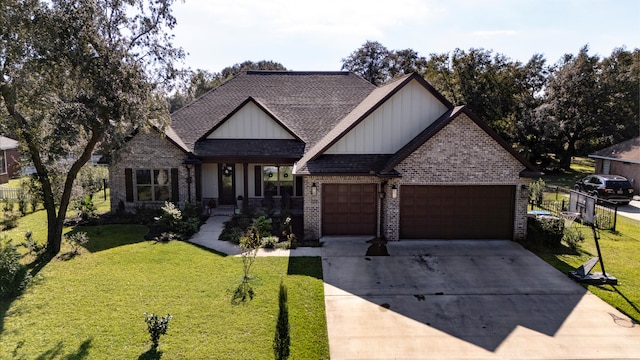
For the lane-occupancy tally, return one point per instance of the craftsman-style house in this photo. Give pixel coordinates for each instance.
(396, 161)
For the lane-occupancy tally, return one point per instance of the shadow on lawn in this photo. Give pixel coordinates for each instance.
(105, 237)
(55, 352)
(33, 269)
(151, 354)
(306, 266)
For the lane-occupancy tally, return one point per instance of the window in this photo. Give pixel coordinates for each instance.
(278, 181)
(153, 185)
(3, 162)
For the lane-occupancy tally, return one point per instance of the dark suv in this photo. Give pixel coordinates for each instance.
(614, 188)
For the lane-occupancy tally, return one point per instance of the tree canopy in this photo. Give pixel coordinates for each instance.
(548, 112)
(78, 73)
(201, 81)
(377, 64)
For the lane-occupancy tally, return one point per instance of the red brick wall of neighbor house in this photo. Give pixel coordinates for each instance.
(13, 163)
(460, 154)
(13, 166)
(147, 151)
(628, 170)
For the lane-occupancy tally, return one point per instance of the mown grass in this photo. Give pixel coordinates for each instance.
(620, 251)
(91, 306)
(565, 180)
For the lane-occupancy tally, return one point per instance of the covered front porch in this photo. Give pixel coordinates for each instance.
(259, 185)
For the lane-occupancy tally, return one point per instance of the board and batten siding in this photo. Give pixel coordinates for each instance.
(209, 180)
(393, 124)
(250, 122)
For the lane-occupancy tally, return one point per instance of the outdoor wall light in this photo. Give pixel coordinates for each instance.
(314, 189)
(394, 191)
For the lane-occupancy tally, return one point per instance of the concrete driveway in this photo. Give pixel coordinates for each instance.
(632, 210)
(463, 300)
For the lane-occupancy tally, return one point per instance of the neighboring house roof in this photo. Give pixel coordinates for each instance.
(626, 151)
(7, 143)
(308, 104)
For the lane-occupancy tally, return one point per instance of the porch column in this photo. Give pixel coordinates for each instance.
(198, 176)
(245, 175)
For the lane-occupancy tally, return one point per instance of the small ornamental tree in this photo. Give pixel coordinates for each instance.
(157, 325)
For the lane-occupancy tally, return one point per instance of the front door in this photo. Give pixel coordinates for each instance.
(227, 181)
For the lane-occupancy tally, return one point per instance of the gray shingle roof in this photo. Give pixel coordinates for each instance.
(359, 164)
(310, 104)
(628, 151)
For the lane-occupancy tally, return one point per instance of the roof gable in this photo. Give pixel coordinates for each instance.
(367, 107)
(309, 104)
(408, 111)
(250, 120)
(7, 143)
(444, 120)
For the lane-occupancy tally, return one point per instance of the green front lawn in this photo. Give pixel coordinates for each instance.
(91, 305)
(620, 250)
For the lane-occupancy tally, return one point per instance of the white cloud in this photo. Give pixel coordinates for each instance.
(493, 33)
(300, 18)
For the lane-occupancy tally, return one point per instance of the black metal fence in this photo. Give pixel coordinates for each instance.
(606, 214)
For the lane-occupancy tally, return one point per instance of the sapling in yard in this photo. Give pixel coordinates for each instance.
(156, 325)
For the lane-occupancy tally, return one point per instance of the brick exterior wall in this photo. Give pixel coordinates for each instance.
(147, 151)
(13, 166)
(460, 154)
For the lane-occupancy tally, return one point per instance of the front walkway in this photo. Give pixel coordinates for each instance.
(210, 232)
(454, 300)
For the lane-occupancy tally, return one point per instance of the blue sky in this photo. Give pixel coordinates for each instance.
(316, 35)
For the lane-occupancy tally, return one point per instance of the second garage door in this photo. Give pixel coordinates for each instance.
(457, 212)
(349, 209)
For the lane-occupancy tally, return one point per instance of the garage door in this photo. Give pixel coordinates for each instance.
(349, 209)
(457, 212)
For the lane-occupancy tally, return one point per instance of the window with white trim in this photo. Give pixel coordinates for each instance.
(153, 184)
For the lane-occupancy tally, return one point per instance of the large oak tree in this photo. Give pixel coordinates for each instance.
(75, 74)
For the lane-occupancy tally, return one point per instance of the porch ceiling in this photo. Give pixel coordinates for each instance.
(249, 149)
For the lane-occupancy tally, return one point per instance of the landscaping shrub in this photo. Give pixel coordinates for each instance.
(184, 224)
(23, 199)
(269, 242)
(165, 237)
(547, 231)
(146, 216)
(573, 237)
(156, 326)
(86, 208)
(263, 225)
(76, 240)
(536, 191)
(31, 245)
(10, 220)
(13, 275)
